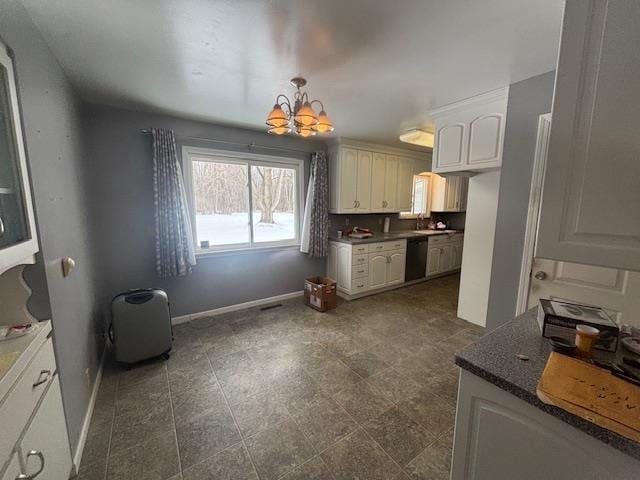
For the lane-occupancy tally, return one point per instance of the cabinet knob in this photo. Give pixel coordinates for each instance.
(540, 275)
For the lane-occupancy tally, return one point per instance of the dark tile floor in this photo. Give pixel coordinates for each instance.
(366, 391)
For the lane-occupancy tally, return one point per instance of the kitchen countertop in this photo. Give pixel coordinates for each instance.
(494, 358)
(383, 237)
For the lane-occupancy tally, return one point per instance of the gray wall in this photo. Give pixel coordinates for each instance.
(528, 100)
(121, 203)
(52, 119)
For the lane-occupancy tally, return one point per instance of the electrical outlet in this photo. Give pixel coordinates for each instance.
(346, 220)
(87, 377)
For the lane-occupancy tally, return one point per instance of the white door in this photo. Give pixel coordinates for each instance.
(395, 268)
(449, 145)
(433, 261)
(378, 182)
(344, 267)
(406, 169)
(617, 291)
(377, 270)
(47, 435)
(391, 184)
(348, 179)
(591, 195)
(363, 189)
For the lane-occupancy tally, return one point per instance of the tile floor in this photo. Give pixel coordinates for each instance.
(366, 391)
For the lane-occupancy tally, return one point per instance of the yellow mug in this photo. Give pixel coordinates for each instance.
(586, 338)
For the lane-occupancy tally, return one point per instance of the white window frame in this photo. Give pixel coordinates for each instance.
(427, 197)
(251, 160)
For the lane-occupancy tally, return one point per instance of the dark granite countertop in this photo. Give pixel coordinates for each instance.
(399, 234)
(494, 358)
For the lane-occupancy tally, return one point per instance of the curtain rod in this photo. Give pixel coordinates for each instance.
(249, 146)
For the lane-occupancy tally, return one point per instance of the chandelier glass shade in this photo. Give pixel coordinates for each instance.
(298, 116)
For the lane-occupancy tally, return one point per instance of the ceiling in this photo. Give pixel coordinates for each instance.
(377, 65)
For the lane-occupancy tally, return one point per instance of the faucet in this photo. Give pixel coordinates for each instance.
(420, 222)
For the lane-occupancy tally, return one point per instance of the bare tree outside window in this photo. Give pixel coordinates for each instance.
(222, 197)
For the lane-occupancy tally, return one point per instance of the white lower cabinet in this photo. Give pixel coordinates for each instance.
(360, 268)
(34, 443)
(45, 456)
(444, 254)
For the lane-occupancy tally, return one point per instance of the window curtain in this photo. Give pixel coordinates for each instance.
(174, 237)
(315, 224)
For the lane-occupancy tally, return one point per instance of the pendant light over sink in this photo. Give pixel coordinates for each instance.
(300, 118)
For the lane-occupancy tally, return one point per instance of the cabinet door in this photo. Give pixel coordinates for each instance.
(378, 182)
(47, 435)
(464, 190)
(363, 189)
(332, 261)
(13, 470)
(395, 268)
(449, 145)
(456, 256)
(17, 225)
(391, 184)
(433, 261)
(451, 200)
(344, 267)
(485, 139)
(377, 270)
(348, 179)
(405, 185)
(446, 258)
(589, 212)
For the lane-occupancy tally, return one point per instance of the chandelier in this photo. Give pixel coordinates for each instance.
(301, 118)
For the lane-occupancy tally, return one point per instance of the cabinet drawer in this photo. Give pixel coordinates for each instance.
(359, 285)
(359, 259)
(359, 271)
(19, 404)
(439, 239)
(386, 246)
(359, 249)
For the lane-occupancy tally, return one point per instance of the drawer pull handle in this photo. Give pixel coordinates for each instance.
(42, 378)
(36, 453)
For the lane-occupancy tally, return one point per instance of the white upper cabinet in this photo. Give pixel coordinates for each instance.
(18, 239)
(591, 197)
(469, 134)
(372, 179)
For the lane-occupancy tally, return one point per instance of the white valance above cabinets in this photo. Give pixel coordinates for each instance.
(368, 178)
(469, 134)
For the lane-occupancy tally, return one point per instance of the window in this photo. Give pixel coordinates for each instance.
(420, 197)
(243, 202)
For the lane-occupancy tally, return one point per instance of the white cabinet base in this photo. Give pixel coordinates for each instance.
(501, 437)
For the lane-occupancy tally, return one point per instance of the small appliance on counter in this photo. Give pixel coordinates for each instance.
(559, 319)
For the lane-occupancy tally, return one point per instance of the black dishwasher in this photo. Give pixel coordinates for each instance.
(416, 266)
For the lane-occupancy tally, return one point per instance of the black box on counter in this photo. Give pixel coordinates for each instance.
(559, 319)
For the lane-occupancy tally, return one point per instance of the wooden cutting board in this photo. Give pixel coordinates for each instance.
(592, 393)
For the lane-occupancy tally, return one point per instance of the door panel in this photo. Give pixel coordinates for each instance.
(446, 258)
(617, 291)
(363, 195)
(348, 179)
(47, 434)
(589, 210)
(485, 139)
(433, 261)
(449, 149)
(378, 181)
(391, 184)
(377, 270)
(395, 268)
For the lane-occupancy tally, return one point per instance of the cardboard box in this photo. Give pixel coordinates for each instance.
(559, 319)
(320, 293)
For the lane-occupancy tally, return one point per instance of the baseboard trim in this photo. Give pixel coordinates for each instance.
(233, 308)
(82, 440)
